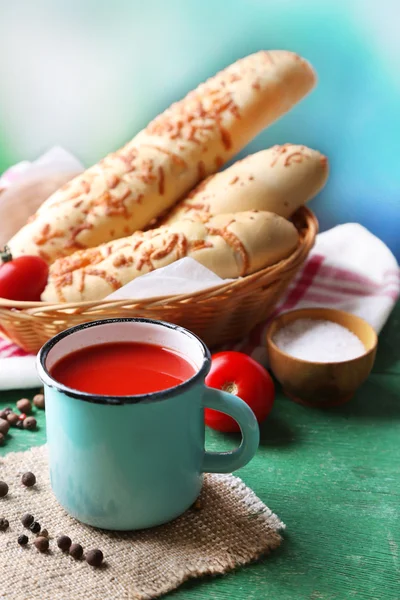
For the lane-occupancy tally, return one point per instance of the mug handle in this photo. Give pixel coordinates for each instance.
(226, 462)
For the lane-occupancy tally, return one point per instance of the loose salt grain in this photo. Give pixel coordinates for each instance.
(318, 341)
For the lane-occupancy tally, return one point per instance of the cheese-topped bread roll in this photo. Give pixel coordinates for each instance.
(231, 245)
(279, 180)
(190, 140)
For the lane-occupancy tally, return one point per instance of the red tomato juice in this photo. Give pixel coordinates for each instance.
(122, 369)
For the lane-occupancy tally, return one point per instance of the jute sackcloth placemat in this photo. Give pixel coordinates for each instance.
(231, 528)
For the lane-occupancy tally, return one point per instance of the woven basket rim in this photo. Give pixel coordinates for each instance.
(304, 214)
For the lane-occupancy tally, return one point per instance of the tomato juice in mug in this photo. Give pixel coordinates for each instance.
(122, 369)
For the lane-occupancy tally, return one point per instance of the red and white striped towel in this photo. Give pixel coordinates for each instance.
(349, 268)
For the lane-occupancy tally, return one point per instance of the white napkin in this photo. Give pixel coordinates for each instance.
(54, 160)
(350, 269)
(29, 184)
(18, 372)
(185, 276)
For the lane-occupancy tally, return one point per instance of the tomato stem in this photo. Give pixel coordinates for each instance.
(5, 255)
(230, 387)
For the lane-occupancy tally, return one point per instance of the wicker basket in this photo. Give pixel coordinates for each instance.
(219, 315)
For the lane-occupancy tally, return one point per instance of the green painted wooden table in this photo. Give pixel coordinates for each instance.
(334, 478)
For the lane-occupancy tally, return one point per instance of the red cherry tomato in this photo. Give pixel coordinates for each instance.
(22, 278)
(241, 375)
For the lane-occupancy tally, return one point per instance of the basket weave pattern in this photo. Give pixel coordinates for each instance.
(218, 316)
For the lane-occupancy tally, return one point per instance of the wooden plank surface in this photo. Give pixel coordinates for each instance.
(334, 478)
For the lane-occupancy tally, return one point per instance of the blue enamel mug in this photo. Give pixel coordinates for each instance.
(132, 462)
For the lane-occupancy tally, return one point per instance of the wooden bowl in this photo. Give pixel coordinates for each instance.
(322, 384)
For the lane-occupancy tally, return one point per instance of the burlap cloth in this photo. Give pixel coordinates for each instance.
(231, 528)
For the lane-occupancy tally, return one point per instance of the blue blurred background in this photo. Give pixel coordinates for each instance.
(89, 74)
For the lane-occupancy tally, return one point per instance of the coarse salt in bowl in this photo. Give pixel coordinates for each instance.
(318, 340)
(320, 355)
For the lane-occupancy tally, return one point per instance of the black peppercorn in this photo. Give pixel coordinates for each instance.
(197, 505)
(3, 524)
(27, 520)
(4, 426)
(64, 543)
(24, 405)
(76, 551)
(12, 418)
(28, 479)
(35, 527)
(38, 400)
(23, 540)
(94, 557)
(3, 489)
(5, 412)
(30, 423)
(41, 543)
